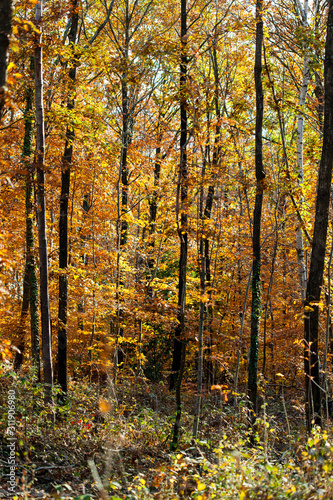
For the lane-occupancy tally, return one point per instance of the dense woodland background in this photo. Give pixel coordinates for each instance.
(151, 183)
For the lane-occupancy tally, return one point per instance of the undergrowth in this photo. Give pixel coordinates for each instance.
(114, 443)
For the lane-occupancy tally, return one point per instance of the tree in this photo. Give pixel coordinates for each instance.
(300, 135)
(65, 189)
(6, 13)
(315, 281)
(260, 180)
(179, 350)
(30, 284)
(63, 217)
(41, 211)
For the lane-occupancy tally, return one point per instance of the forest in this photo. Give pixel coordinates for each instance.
(165, 249)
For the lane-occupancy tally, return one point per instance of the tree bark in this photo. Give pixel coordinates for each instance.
(31, 261)
(123, 162)
(63, 219)
(126, 134)
(30, 286)
(6, 14)
(315, 281)
(22, 327)
(153, 204)
(41, 211)
(260, 179)
(300, 127)
(123, 186)
(179, 350)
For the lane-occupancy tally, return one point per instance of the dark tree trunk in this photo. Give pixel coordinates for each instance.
(311, 326)
(123, 163)
(204, 272)
(34, 320)
(123, 183)
(260, 179)
(6, 13)
(153, 202)
(63, 219)
(126, 134)
(31, 263)
(209, 204)
(22, 328)
(41, 212)
(179, 351)
(30, 287)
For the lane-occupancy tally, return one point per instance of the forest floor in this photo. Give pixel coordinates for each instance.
(115, 444)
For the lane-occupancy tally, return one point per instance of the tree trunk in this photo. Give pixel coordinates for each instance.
(6, 13)
(154, 200)
(41, 215)
(315, 281)
(123, 163)
(300, 126)
(260, 179)
(122, 222)
(34, 319)
(179, 350)
(22, 327)
(63, 218)
(202, 272)
(209, 201)
(30, 286)
(126, 135)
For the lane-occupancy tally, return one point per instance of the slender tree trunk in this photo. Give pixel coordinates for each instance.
(209, 359)
(209, 201)
(126, 136)
(31, 262)
(300, 128)
(6, 14)
(34, 320)
(153, 202)
(63, 219)
(123, 185)
(202, 273)
(268, 299)
(22, 328)
(41, 213)
(260, 179)
(328, 333)
(315, 281)
(179, 350)
(239, 350)
(30, 286)
(123, 163)
(319, 88)
(207, 369)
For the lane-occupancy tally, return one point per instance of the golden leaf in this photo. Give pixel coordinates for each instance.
(104, 406)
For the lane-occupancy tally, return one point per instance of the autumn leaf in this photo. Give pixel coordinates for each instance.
(104, 406)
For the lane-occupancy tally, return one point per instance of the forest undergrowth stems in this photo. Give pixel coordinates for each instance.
(286, 415)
